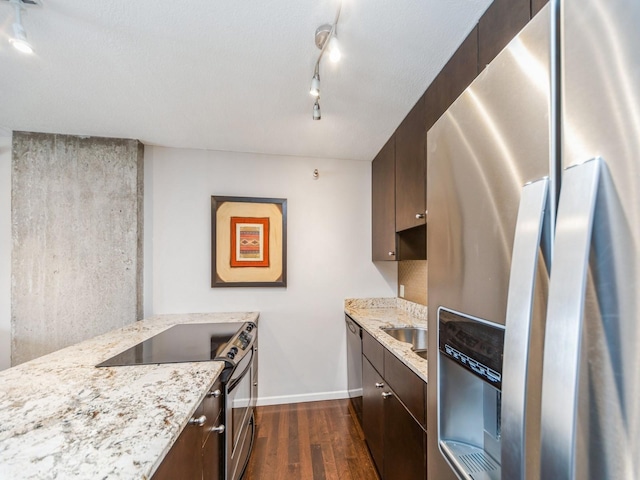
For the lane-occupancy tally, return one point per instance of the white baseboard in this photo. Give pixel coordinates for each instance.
(306, 397)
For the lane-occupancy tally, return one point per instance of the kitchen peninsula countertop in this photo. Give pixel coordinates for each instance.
(61, 417)
(373, 313)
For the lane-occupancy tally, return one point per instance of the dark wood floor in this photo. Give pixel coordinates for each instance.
(309, 441)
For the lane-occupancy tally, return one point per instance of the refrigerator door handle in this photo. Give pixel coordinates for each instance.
(524, 261)
(563, 332)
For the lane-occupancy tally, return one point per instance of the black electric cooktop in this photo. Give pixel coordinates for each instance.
(190, 342)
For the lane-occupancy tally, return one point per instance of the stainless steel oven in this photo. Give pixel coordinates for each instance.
(241, 382)
(236, 344)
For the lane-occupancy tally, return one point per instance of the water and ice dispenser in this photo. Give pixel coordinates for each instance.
(469, 389)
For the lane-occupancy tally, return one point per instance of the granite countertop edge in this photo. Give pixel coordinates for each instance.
(62, 417)
(374, 313)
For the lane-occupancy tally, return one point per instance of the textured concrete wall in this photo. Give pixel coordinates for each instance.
(77, 213)
(5, 249)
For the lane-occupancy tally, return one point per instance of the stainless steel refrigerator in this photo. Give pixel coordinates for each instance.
(533, 246)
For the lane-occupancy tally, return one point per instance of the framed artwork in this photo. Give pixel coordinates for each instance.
(248, 242)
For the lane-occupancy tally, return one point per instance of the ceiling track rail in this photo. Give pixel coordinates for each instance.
(27, 3)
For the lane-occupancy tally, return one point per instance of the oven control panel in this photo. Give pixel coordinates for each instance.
(239, 344)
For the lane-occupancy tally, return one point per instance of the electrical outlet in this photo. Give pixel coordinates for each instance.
(401, 291)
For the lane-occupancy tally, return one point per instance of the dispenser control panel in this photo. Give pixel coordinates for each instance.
(475, 344)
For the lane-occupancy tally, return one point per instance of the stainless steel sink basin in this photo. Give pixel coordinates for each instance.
(421, 353)
(413, 335)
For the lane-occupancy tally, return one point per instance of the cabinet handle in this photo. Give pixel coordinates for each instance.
(386, 394)
(419, 216)
(219, 429)
(379, 385)
(391, 254)
(198, 421)
(215, 393)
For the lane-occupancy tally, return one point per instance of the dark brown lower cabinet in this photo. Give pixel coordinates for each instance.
(197, 454)
(396, 440)
(372, 413)
(212, 456)
(405, 444)
(183, 460)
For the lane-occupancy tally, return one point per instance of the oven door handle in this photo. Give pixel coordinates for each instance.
(238, 379)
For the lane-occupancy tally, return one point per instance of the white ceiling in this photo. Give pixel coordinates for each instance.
(227, 75)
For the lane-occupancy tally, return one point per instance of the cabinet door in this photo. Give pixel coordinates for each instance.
(536, 6)
(499, 25)
(184, 460)
(373, 351)
(212, 408)
(212, 453)
(383, 204)
(406, 385)
(372, 411)
(455, 76)
(405, 444)
(411, 168)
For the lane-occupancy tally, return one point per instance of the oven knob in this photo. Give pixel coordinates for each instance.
(249, 328)
(234, 350)
(231, 355)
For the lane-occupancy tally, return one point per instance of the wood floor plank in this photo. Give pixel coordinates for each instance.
(294, 443)
(306, 468)
(271, 461)
(309, 441)
(282, 456)
(317, 462)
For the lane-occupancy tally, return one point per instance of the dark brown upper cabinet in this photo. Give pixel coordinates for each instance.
(383, 203)
(500, 23)
(455, 76)
(536, 6)
(399, 170)
(411, 168)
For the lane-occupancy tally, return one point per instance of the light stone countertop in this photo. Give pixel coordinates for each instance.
(373, 313)
(61, 417)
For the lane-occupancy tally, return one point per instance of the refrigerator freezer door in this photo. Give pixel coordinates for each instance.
(564, 325)
(492, 141)
(601, 105)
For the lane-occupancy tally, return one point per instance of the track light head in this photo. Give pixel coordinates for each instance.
(19, 39)
(316, 110)
(315, 85)
(334, 49)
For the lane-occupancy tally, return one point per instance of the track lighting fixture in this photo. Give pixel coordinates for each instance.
(334, 49)
(315, 85)
(316, 110)
(326, 39)
(19, 38)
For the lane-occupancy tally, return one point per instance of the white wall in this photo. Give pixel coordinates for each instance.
(302, 333)
(5, 250)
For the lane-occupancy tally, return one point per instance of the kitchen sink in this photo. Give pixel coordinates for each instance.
(421, 353)
(413, 335)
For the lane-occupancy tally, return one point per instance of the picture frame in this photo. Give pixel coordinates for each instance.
(248, 242)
